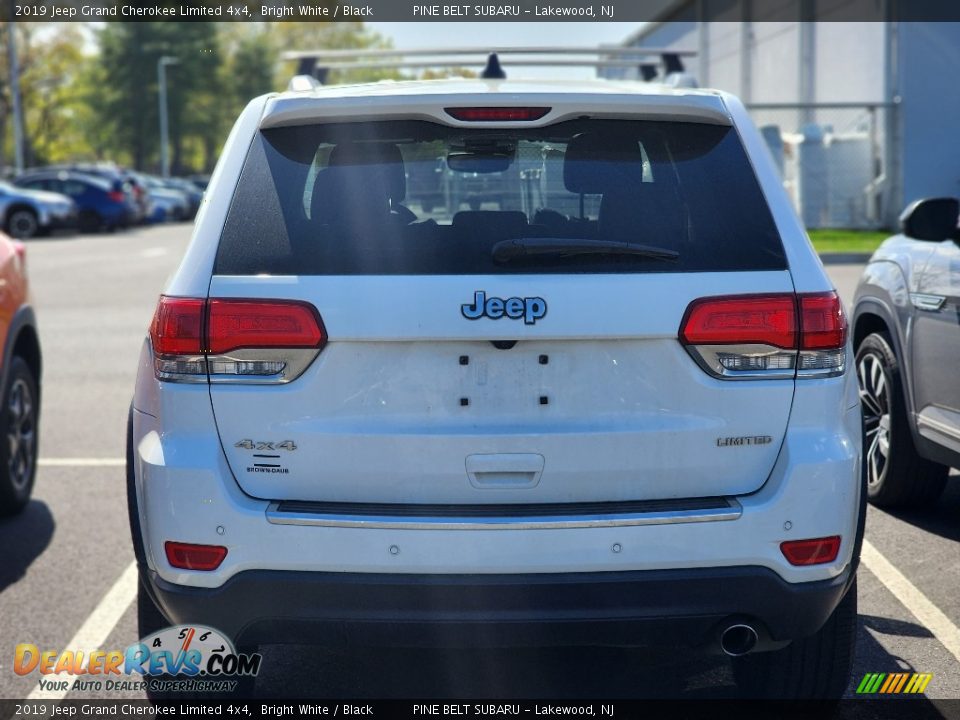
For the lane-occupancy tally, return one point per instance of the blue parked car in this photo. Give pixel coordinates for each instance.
(100, 203)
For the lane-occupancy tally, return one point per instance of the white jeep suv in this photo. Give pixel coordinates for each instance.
(503, 362)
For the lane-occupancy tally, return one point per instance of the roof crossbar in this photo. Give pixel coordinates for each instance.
(319, 63)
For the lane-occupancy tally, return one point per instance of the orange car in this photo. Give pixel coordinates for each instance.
(19, 380)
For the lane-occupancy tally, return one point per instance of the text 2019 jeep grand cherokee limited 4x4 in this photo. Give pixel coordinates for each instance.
(612, 405)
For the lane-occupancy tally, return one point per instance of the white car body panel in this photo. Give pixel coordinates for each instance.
(390, 427)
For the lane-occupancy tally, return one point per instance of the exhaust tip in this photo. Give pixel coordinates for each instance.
(738, 640)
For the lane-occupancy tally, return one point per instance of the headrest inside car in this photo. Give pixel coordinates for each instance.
(386, 155)
(594, 163)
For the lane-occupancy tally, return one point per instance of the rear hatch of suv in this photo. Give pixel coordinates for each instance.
(510, 337)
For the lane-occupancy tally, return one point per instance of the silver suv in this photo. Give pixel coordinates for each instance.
(907, 336)
(608, 400)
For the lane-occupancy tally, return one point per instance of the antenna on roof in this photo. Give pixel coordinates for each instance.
(493, 71)
(672, 63)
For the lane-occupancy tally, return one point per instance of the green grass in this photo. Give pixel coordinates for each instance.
(847, 241)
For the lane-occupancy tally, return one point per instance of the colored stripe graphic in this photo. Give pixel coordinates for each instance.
(918, 683)
(894, 683)
(867, 679)
(891, 680)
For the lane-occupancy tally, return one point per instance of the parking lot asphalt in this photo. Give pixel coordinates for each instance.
(65, 574)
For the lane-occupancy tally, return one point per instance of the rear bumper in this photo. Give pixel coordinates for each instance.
(689, 607)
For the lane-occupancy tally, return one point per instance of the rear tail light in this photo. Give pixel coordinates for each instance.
(497, 114)
(811, 552)
(824, 335)
(194, 557)
(767, 336)
(117, 196)
(248, 324)
(227, 340)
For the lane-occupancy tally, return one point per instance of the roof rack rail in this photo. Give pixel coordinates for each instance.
(318, 63)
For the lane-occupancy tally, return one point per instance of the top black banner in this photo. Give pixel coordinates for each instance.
(515, 11)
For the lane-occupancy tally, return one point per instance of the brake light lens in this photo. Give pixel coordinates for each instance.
(254, 324)
(497, 114)
(766, 319)
(177, 327)
(234, 340)
(187, 556)
(823, 322)
(816, 551)
(117, 196)
(780, 335)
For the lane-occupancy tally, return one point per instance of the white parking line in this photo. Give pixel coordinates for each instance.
(97, 628)
(929, 615)
(81, 462)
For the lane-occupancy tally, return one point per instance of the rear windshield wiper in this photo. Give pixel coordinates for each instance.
(507, 251)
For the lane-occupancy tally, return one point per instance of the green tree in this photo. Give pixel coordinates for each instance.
(51, 59)
(250, 62)
(129, 53)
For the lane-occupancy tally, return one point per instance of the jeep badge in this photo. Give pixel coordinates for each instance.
(530, 309)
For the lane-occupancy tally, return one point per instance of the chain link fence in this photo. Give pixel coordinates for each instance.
(835, 160)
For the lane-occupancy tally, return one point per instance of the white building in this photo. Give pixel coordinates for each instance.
(861, 116)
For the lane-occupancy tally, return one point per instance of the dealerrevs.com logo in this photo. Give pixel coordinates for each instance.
(183, 658)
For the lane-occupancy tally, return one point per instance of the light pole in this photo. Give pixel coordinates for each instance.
(164, 130)
(15, 94)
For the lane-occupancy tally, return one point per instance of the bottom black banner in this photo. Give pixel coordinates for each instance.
(892, 709)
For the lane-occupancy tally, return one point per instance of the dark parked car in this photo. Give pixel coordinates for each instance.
(99, 203)
(907, 338)
(119, 179)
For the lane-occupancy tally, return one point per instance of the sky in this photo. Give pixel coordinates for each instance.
(410, 35)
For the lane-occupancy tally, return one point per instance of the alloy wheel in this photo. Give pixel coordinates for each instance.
(875, 399)
(21, 433)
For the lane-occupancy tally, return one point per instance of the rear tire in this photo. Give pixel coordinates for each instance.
(23, 224)
(897, 476)
(814, 668)
(19, 414)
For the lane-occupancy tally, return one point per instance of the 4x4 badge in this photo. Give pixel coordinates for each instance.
(530, 309)
(247, 444)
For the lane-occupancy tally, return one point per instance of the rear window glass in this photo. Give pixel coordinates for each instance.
(420, 198)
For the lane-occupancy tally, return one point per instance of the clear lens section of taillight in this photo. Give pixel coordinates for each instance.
(766, 336)
(231, 340)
